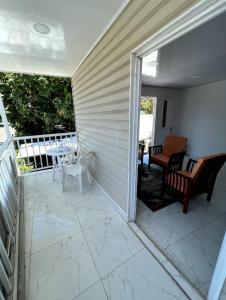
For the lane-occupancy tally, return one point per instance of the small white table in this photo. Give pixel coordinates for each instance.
(57, 154)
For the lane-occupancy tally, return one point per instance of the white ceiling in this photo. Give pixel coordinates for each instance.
(75, 25)
(196, 58)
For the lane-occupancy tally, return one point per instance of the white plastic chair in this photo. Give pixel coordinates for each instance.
(77, 169)
(70, 159)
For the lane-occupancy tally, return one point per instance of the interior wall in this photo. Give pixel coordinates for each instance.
(201, 118)
(197, 113)
(101, 91)
(172, 95)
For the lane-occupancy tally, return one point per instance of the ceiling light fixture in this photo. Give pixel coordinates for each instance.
(41, 28)
(150, 64)
(195, 76)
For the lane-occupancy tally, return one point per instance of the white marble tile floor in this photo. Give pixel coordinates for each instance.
(78, 247)
(190, 241)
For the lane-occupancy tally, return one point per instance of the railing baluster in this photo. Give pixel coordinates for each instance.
(5, 279)
(55, 141)
(40, 153)
(47, 161)
(28, 157)
(13, 191)
(72, 142)
(6, 222)
(32, 146)
(7, 200)
(5, 179)
(51, 146)
(5, 259)
(49, 140)
(9, 219)
(1, 296)
(19, 153)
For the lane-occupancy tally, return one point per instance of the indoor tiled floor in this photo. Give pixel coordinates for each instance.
(191, 241)
(78, 247)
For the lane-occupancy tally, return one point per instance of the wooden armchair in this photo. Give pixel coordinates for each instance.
(198, 178)
(170, 155)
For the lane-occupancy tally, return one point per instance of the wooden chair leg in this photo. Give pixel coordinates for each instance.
(163, 181)
(186, 203)
(209, 195)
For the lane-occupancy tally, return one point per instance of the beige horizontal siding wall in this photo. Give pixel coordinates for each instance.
(101, 91)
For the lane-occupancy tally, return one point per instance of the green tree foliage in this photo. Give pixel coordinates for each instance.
(36, 104)
(146, 105)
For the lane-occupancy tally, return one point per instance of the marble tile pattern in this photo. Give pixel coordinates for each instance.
(78, 247)
(190, 241)
(111, 243)
(95, 292)
(141, 270)
(62, 270)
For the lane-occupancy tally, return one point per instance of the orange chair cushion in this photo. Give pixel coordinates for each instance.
(185, 173)
(174, 144)
(201, 162)
(160, 159)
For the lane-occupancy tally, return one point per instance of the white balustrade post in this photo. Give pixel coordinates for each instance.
(4, 119)
(219, 274)
(7, 130)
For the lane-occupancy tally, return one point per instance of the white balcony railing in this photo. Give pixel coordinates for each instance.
(32, 150)
(9, 218)
(29, 153)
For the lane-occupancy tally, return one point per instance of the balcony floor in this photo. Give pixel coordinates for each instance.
(78, 247)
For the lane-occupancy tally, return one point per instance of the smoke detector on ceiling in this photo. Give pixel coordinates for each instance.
(41, 28)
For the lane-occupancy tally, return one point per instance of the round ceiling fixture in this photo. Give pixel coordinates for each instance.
(152, 64)
(41, 28)
(195, 76)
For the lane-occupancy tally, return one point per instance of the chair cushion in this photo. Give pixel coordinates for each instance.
(160, 160)
(185, 173)
(174, 144)
(202, 161)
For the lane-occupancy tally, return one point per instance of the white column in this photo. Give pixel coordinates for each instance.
(4, 118)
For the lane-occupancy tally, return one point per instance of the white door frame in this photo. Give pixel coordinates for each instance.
(197, 15)
(200, 13)
(219, 274)
(155, 100)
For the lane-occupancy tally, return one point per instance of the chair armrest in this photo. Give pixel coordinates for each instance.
(153, 150)
(176, 161)
(178, 181)
(190, 165)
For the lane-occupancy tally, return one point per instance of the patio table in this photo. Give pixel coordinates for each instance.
(58, 154)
